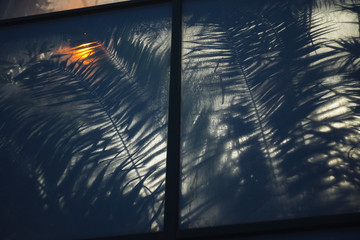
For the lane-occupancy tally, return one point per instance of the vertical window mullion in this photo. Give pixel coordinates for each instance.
(171, 218)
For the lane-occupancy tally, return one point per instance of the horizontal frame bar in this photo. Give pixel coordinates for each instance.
(147, 236)
(299, 225)
(293, 226)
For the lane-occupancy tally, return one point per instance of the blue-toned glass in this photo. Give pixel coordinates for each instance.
(270, 111)
(83, 125)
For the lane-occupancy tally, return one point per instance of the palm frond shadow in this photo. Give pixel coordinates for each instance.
(264, 131)
(90, 133)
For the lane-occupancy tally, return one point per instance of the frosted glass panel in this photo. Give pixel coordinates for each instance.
(83, 125)
(20, 8)
(270, 111)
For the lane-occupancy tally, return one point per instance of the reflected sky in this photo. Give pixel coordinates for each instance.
(20, 8)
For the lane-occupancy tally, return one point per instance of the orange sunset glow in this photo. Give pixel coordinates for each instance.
(83, 53)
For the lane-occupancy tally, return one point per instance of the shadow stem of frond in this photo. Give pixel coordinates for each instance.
(257, 114)
(102, 105)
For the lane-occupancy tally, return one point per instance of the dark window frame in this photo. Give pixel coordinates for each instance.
(343, 222)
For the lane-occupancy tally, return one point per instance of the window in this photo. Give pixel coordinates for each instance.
(216, 119)
(85, 126)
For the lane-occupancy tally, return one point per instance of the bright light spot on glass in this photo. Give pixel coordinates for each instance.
(332, 109)
(234, 155)
(83, 53)
(335, 162)
(346, 184)
(329, 179)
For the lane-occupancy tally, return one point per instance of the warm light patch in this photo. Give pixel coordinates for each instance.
(84, 53)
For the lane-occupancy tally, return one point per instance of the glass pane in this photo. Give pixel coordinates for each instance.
(83, 125)
(20, 8)
(270, 111)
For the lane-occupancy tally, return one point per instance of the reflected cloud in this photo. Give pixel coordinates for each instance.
(12, 9)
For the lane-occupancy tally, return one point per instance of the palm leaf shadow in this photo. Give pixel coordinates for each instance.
(252, 132)
(86, 130)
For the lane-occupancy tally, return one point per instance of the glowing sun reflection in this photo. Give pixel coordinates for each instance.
(84, 53)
